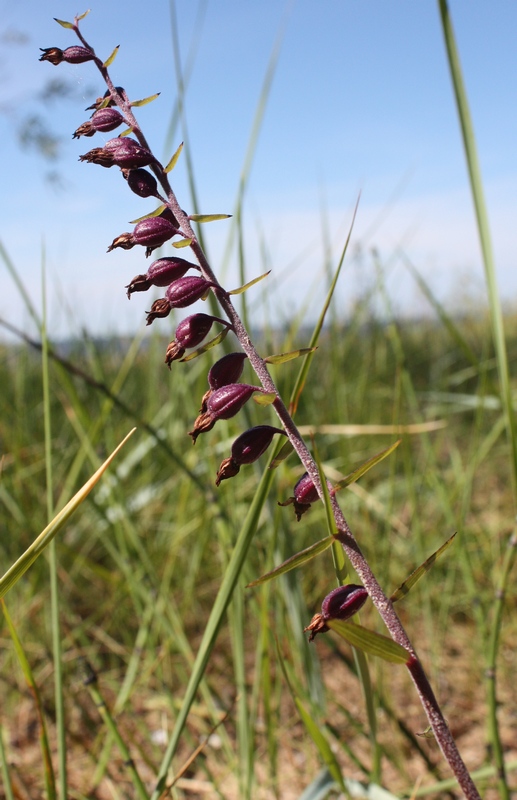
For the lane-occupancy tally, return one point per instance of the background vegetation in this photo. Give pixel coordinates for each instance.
(140, 565)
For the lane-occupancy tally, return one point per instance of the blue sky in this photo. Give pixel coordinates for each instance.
(361, 101)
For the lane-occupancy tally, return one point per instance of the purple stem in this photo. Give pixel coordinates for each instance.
(344, 534)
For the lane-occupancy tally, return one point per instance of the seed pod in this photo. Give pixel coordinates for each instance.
(342, 603)
(72, 55)
(190, 332)
(246, 449)
(104, 120)
(305, 493)
(161, 273)
(224, 403)
(152, 232)
(141, 182)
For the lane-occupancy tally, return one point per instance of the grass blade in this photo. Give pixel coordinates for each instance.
(50, 780)
(15, 572)
(213, 625)
(420, 571)
(496, 314)
(304, 370)
(375, 644)
(295, 561)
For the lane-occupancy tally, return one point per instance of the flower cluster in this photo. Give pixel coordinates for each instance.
(226, 395)
(146, 177)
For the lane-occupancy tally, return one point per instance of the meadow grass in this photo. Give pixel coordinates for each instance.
(140, 566)
(140, 664)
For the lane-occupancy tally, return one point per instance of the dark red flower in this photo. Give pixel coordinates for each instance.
(224, 403)
(104, 120)
(72, 55)
(246, 449)
(185, 291)
(305, 493)
(161, 273)
(151, 232)
(227, 370)
(141, 182)
(190, 332)
(121, 152)
(342, 603)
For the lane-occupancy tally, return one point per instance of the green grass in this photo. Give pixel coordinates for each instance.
(139, 566)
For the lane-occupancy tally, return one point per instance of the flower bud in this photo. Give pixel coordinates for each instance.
(104, 120)
(224, 403)
(141, 182)
(121, 152)
(342, 603)
(72, 55)
(227, 370)
(190, 332)
(246, 449)
(151, 231)
(185, 291)
(305, 493)
(161, 273)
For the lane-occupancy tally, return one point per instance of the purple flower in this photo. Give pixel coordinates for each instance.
(121, 152)
(227, 370)
(246, 449)
(190, 332)
(161, 273)
(224, 403)
(151, 232)
(305, 493)
(73, 55)
(104, 120)
(141, 182)
(342, 603)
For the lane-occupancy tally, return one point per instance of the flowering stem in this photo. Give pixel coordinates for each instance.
(344, 534)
